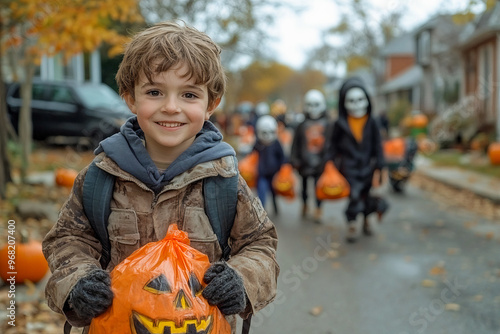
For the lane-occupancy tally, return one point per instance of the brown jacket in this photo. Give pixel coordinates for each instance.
(138, 216)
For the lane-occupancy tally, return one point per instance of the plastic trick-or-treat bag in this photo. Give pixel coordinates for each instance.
(157, 289)
(248, 168)
(331, 184)
(284, 182)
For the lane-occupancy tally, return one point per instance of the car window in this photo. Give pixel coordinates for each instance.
(38, 92)
(94, 96)
(61, 94)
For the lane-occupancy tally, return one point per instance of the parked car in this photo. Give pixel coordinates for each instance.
(70, 109)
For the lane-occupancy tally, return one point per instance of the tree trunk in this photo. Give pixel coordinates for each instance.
(25, 122)
(5, 175)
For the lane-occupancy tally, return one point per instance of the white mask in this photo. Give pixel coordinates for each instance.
(356, 102)
(266, 129)
(261, 109)
(314, 104)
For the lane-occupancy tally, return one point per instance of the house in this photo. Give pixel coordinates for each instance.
(436, 53)
(480, 56)
(398, 75)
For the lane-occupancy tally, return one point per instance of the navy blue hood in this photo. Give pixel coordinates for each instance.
(128, 151)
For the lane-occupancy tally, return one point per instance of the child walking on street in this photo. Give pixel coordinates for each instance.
(355, 147)
(308, 147)
(271, 158)
(172, 80)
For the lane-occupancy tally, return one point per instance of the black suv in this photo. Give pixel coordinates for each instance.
(70, 109)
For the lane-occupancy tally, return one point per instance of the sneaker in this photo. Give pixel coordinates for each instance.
(317, 215)
(352, 233)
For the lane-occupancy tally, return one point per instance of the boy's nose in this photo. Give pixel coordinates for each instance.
(171, 105)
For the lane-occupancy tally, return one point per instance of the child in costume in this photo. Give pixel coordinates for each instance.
(355, 146)
(271, 157)
(308, 146)
(172, 80)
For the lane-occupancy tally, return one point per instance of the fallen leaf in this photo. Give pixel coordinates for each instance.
(336, 265)
(477, 298)
(452, 307)
(316, 310)
(428, 283)
(437, 270)
(452, 251)
(373, 257)
(490, 235)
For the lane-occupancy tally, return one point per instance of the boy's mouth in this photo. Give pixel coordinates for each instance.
(170, 124)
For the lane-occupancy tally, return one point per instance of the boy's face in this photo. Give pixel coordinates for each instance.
(170, 111)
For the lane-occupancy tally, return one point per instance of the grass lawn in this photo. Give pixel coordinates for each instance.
(475, 161)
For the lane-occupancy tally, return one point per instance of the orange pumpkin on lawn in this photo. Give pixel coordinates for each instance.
(494, 153)
(65, 177)
(28, 261)
(157, 289)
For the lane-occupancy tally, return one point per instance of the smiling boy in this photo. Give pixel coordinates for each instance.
(172, 80)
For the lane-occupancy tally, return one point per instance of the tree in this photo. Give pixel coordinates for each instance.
(268, 81)
(356, 39)
(239, 26)
(471, 9)
(66, 27)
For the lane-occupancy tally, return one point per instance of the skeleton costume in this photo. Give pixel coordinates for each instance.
(355, 146)
(308, 145)
(271, 157)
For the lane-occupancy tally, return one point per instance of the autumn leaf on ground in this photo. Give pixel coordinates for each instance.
(316, 311)
(452, 307)
(428, 283)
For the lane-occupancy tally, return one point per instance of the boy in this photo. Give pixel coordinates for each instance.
(172, 80)
(355, 146)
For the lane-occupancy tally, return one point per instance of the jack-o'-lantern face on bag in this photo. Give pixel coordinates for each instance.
(158, 291)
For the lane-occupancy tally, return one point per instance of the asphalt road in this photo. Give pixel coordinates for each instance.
(430, 268)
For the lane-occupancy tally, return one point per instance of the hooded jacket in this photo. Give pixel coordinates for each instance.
(145, 202)
(355, 160)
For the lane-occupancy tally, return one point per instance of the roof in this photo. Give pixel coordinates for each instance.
(405, 80)
(403, 44)
(484, 26)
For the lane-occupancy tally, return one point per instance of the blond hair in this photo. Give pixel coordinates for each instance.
(165, 45)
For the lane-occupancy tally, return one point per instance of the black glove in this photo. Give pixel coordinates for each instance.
(224, 289)
(91, 295)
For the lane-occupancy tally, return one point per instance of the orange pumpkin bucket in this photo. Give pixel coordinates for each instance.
(394, 149)
(248, 168)
(158, 290)
(331, 184)
(284, 182)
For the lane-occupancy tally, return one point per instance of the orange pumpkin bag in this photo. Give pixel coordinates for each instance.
(331, 184)
(284, 182)
(158, 290)
(394, 149)
(248, 168)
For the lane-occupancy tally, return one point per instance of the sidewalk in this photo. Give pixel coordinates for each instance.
(482, 185)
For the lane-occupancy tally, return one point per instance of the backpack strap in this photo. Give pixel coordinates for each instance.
(221, 198)
(97, 192)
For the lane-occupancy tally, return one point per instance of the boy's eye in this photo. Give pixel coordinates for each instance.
(153, 92)
(190, 96)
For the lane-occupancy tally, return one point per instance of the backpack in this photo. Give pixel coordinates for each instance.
(220, 194)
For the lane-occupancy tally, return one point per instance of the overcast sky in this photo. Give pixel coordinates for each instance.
(296, 34)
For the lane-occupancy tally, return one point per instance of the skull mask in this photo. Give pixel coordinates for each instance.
(266, 129)
(261, 109)
(356, 102)
(314, 104)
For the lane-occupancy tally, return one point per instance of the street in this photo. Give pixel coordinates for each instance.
(430, 268)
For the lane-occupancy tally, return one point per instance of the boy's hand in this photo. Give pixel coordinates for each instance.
(224, 289)
(91, 295)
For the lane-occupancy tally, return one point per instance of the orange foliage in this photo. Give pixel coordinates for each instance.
(69, 27)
